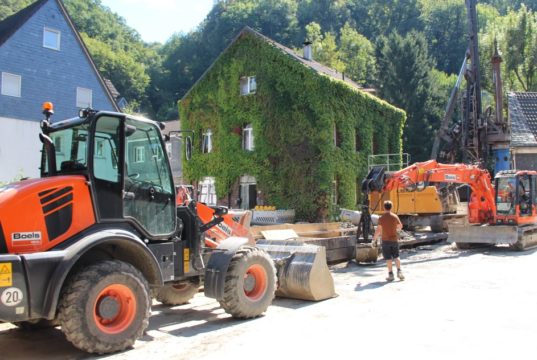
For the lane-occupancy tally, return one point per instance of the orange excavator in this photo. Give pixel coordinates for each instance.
(503, 213)
(89, 243)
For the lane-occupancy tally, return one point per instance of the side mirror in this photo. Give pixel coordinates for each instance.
(129, 130)
(188, 148)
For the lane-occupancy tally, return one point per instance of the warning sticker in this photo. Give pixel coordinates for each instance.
(6, 275)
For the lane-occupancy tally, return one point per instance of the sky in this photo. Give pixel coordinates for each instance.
(158, 20)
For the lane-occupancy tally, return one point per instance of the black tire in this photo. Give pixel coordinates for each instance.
(250, 283)
(34, 325)
(177, 294)
(112, 286)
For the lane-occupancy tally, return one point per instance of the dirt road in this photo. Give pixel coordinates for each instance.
(454, 304)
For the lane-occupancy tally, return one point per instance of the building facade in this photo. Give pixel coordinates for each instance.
(274, 128)
(42, 58)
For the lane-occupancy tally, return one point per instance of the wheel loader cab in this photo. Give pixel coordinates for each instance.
(123, 159)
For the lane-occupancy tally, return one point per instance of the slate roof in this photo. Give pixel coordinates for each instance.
(523, 116)
(314, 65)
(12, 23)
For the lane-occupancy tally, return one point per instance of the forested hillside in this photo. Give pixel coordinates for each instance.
(409, 50)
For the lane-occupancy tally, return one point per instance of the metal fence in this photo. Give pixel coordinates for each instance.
(391, 162)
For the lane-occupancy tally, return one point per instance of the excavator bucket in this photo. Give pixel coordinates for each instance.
(302, 269)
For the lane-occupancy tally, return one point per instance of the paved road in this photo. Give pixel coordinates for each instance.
(454, 304)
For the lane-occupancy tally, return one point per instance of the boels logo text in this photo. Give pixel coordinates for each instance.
(25, 236)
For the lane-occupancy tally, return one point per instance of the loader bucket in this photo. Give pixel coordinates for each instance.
(302, 269)
(366, 253)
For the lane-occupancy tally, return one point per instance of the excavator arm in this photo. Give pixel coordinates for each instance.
(417, 176)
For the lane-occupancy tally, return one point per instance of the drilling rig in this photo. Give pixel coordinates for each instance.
(480, 137)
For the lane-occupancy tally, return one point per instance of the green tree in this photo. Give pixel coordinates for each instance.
(9, 7)
(404, 79)
(380, 17)
(358, 55)
(521, 49)
(445, 27)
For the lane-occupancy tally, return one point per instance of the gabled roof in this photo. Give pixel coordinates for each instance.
(523, 116)
(312, 64)
(9, 25)
(12, 23)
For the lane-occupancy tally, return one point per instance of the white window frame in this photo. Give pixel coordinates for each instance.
(248, 142)
(11, 84)
(51, 31)
(207, 142)
(248, 85)
(82, 103)
(139, 154)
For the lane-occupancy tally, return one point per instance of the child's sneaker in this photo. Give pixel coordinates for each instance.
(400, 275)
(390, 277)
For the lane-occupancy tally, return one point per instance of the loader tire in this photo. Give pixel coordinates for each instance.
(250, 283)
(177, 294)
(105, 307)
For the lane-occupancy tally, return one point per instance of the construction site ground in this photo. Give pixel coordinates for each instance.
(479, 303)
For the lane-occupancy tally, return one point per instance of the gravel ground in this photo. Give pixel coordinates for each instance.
(479, 303)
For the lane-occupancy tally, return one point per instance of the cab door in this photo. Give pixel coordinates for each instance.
(148, 196)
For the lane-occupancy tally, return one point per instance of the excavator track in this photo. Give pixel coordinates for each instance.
(519, 238)
(527, 238)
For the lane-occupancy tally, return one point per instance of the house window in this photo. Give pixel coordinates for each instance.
(357, 141)
(248, 192)
(337, 136)
(248, 85)
(58, 144)
(207, 142)
(207, 192)
(83, 98)
(248, 138)
(11, 84)
(156, 151)
(335, 191)
(51, 39)
(375, 145)
(99, 148)
(139, 154)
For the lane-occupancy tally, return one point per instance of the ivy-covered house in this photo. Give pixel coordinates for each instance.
(276, 128)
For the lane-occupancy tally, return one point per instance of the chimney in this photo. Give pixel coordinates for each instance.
(308, 53)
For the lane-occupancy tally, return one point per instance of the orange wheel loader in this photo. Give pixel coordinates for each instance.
(88, 244)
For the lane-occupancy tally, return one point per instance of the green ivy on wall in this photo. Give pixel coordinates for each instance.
(294, 113)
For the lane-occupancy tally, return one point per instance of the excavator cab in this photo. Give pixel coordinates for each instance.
(516, 197)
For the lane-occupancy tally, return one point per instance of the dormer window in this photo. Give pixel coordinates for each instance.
(207, 142)
(51, 39)
(248, 85)
(248, 138)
